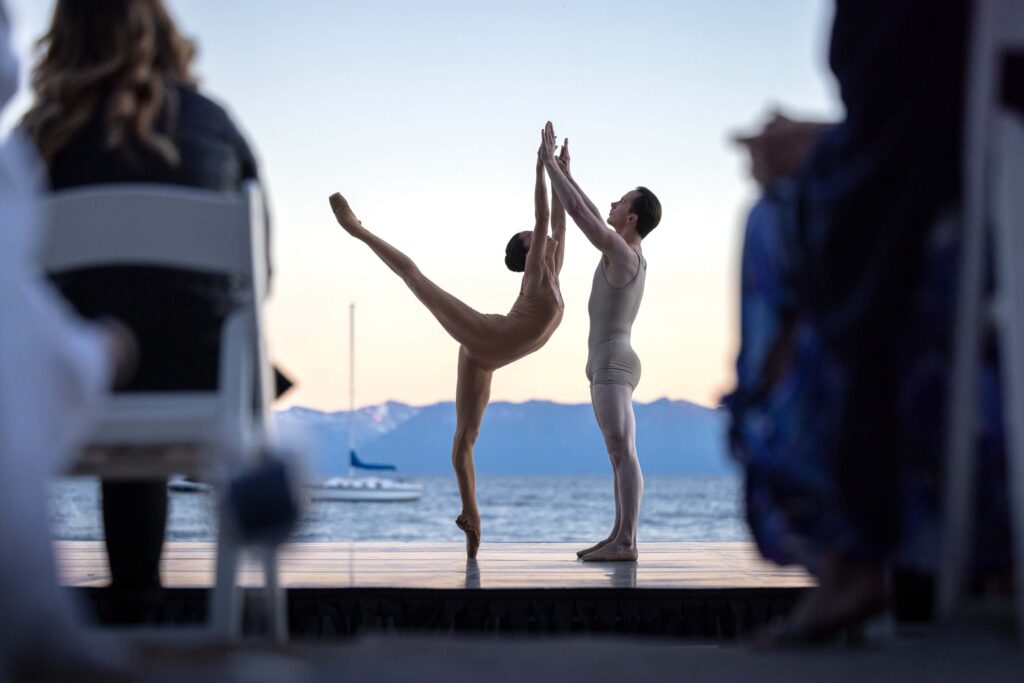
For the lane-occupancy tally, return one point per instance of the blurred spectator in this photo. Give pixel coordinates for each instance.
(848, 272)
(116, 102)
(54, 369)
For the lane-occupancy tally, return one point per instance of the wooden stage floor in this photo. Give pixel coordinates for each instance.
(444, 566)
(707, 590)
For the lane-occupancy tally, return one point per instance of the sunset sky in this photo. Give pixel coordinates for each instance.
(427, 116)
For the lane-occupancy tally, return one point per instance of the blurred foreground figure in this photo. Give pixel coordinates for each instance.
(116, 101)
(54, 369)
(848, 277)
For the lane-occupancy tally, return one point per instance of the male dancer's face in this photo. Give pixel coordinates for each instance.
(618, 216)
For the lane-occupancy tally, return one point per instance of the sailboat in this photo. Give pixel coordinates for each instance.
(365, 488)
(362, 488)
(180, 483)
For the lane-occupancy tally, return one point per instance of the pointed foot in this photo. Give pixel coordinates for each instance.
(344, 215)
(470, 527)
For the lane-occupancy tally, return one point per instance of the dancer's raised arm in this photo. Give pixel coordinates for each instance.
(539, 242)
(563, 163)
(604, 238)
(558, 215)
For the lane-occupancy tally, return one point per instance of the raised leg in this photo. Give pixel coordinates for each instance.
(471, 395)
(462, 322)
(613, 405)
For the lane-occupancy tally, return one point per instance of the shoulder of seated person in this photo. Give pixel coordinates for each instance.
(197, 106)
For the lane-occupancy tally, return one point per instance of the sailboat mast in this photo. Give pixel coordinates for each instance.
(351, 382)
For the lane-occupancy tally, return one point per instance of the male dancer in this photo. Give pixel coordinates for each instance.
(613, 368)
(487, 341)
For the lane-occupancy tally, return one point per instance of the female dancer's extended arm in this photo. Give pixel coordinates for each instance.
(558, 230)
(539, 244)
(558, 212)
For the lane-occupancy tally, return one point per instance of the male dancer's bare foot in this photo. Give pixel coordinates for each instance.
(346, 217)
(471, 528)
(613, 552)
(596, 546)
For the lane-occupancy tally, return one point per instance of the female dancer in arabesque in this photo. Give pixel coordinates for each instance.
(487, 341)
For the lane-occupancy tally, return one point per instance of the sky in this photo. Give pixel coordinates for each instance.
(426, 115)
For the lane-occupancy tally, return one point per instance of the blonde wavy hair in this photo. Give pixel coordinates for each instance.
(109, 54)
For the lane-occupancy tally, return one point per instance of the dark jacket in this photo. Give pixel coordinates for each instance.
(176, 314)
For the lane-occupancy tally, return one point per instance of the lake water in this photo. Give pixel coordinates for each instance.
(540, 509)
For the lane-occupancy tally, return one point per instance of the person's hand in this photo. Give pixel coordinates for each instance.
(547, 143)
(563, 158)
(781, 148)
(343, 213)
(124, 350)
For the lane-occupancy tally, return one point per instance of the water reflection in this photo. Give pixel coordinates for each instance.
(472, 573)
(620, 574)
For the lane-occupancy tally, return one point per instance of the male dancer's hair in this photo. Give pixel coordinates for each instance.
(515, 254)
(648, 211)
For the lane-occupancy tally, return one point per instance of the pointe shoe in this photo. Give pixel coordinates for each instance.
(344, 214)
(472, 535)
(338, 203)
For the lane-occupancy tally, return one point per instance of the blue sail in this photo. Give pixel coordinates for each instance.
(354, 461)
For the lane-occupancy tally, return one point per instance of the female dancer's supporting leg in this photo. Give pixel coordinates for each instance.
(613, 405)
(471, 396)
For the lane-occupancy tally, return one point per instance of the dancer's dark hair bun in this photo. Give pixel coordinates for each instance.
(515, 254)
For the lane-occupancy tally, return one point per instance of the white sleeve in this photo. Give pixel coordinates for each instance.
(54, 370)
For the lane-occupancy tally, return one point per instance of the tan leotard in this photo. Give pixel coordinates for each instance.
(612, 359)
(525, 328)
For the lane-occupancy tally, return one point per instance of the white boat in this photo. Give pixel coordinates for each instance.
(376, 489)
(182, 484)
(361, 488)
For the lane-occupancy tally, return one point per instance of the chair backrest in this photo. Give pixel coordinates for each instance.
(157, 225)
(176, 227)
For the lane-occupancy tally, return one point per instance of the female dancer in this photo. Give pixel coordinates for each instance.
(487, 341)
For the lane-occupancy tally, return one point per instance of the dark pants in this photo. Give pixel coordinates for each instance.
(176, 317)
(134, 520)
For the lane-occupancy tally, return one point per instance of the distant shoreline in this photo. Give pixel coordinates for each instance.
(531, 437)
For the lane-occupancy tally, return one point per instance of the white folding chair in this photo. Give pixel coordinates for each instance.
(993, 208)
(148, 435)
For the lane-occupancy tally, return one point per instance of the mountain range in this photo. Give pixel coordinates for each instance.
(531, 438)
